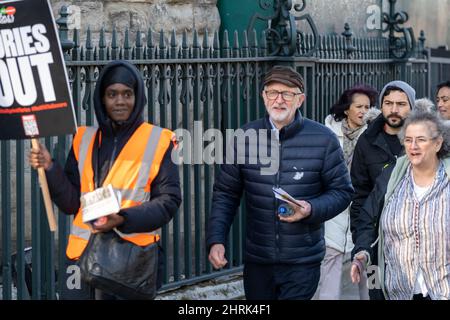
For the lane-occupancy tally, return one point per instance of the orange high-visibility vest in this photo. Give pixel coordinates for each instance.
(132, 174)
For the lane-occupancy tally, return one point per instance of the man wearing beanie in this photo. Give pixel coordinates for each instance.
(282, 252)
(132, 156)
(377, 148)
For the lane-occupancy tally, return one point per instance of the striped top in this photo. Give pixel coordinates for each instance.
(417, 235)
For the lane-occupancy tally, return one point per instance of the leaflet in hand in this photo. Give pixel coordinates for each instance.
(284, 196)
(99, 203)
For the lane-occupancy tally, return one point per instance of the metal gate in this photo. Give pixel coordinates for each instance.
(217, 82)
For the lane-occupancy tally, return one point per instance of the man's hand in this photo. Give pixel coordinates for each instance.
(40, 158)
(217, 256)
(301, 211)
(113, 221)
(358, 267)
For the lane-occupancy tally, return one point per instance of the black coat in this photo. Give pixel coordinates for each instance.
(368, 219)
(371, 155)
(165, 188)
(312, 168)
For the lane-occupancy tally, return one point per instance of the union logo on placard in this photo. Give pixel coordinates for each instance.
(7, 15)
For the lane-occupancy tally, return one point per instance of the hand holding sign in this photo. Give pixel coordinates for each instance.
(33, 74)
(41, 159)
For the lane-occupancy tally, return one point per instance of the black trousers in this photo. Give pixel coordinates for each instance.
(420, 297)
(376, 294)
(280, 281)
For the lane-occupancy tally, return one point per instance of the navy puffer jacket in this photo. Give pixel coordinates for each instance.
(312, 168)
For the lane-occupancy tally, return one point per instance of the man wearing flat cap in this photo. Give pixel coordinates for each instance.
(283, 251)
(123, 151)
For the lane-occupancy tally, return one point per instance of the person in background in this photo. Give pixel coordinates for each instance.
(378, 147)
(443, 99)
(347, 119)
(409, 212)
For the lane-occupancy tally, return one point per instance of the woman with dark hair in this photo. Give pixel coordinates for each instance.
(348, 119)
(443, 100)
(409, 211)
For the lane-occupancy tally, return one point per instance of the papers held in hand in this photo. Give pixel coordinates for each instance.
(284, 196)
(99, 203)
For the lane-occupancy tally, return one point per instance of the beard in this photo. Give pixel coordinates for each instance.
(280, 115)
(399, 124)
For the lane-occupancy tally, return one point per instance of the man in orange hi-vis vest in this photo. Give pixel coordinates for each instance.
(124, 151)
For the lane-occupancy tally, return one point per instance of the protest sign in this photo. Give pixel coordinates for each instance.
(35, 100)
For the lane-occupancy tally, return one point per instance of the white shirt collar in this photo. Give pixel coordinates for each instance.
(273, 125)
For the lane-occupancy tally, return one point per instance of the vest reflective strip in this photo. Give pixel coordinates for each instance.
(134, 195)
(125, 235)
(84, 147)
(147, 161)
(138, 194)
(80, 232)
(130, 194)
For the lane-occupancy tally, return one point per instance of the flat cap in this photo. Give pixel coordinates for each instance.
(285, 75)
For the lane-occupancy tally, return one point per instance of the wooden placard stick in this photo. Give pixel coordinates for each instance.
(45, 191)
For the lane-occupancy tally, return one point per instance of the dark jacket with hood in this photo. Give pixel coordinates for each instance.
(369, 216)
(372, 154)
(311, 168)
(165, 189)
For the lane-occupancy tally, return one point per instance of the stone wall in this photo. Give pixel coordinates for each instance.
(180, 15)
(331, 16)
(167, 15)
(430, 16)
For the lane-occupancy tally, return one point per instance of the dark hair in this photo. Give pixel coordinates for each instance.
(442, 85)
(346, 99)
(390, 89)
(438, 129)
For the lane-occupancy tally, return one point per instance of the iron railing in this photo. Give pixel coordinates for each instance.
(215, 82)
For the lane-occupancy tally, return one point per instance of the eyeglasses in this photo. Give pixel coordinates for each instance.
(444, 99)
(286, 95)
(420, 141)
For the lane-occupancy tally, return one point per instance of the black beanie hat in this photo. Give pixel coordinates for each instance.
(119, 74)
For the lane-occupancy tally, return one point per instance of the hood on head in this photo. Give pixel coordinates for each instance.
(407, 89)
(104, 79)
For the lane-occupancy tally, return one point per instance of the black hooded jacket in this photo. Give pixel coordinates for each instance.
(165, 189)
(372, 154)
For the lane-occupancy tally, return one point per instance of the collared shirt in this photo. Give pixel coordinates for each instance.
(275, 129)
(420, 286)
(273, 125)
(416, 234)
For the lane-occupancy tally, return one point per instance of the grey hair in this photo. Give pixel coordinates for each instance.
(425, 105)
(439, 129)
